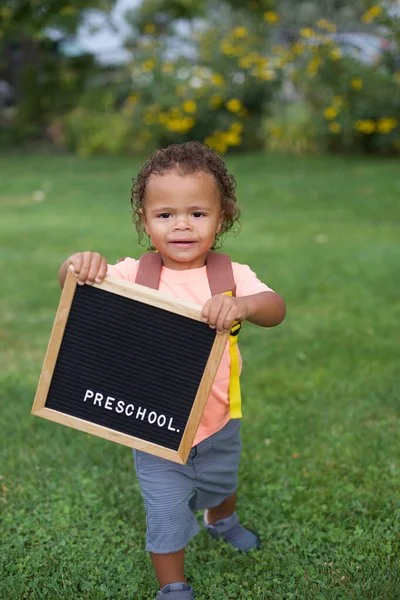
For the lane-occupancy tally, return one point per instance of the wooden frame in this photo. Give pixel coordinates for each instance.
(153, 298)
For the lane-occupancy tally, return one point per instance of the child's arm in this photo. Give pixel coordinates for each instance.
(89, 267)
(266, 309)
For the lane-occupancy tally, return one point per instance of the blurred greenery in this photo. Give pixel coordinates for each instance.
(227, 73)
(320, 469)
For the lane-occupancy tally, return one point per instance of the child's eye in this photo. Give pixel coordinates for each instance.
(198, 214)
(164, 215)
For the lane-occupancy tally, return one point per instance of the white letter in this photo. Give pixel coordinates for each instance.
(170, 425)
(132, 409)
(98, 398)
(120, 406)
(89, 394)
(141, 412)
(152, 418)
(162, 419)
(108, 405)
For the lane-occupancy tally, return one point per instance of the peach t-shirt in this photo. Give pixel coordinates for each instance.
(192, 284)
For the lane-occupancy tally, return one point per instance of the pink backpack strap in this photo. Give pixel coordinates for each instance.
(220, 274)
(149, 271)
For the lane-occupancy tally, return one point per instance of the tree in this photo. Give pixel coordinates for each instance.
(28, 56)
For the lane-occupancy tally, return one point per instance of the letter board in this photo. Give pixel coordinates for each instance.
(130, 364)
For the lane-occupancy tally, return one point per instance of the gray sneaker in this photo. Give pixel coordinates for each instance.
(176, 591)
(232, 532)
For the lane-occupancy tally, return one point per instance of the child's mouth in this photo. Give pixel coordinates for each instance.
(182, 243)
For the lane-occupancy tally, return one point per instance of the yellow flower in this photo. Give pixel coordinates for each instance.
(386, 124)
(271, 17)
(240, 32)
(397, 76)
(307, 32)
(324, 24)
(356, 83)
(335, 127)
(373, 12)
(217, 79)
(234, 105)
(365, 126)
(232, 138)
(149, 64)
(265, 74)
(180, 125)
(298, 48)
(237, 127)
(335, 54)
(216, 142)
(245, 62)
(376, 10)
(314, 65)
(149, 28)
(330, 113)
(189, 106)
(227, 48)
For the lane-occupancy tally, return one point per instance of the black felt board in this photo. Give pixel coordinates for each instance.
(138, 355)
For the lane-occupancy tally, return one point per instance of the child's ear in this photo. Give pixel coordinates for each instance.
(220, 221)
(144, 220)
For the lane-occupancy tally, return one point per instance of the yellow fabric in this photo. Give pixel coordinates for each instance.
(235, 396)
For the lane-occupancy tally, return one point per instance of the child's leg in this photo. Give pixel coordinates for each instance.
(225, 509)
(169, 567)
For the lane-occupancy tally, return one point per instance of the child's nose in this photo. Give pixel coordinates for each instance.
(182, 223)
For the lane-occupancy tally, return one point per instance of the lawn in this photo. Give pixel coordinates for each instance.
(320, 469)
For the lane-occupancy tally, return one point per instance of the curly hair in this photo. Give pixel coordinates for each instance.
(187, 158)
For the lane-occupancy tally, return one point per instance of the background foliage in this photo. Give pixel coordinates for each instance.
(236, 75)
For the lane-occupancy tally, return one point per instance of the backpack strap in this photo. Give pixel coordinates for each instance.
(221, 281)
(220, 274)
(149, 270)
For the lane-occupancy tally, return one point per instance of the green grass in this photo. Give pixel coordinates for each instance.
(320, 470)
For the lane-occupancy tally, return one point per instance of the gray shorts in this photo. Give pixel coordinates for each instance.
(172, 491)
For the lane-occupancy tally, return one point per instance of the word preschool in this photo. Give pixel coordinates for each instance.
(130, 410)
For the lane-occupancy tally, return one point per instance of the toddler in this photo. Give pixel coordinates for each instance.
(184, 200)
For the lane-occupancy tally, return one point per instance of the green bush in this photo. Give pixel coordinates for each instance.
(218, 92)
(355, 106)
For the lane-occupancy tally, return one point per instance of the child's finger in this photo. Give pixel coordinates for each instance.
(214, 310)
(102, 270)
(76, 261)
(206, 311)
(225, 320)
(94, 268)
(83, 273)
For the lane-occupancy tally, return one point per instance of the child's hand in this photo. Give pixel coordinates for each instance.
(221, 311)
(89, 267)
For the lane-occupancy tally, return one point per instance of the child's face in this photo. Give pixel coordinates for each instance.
(182, 215)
